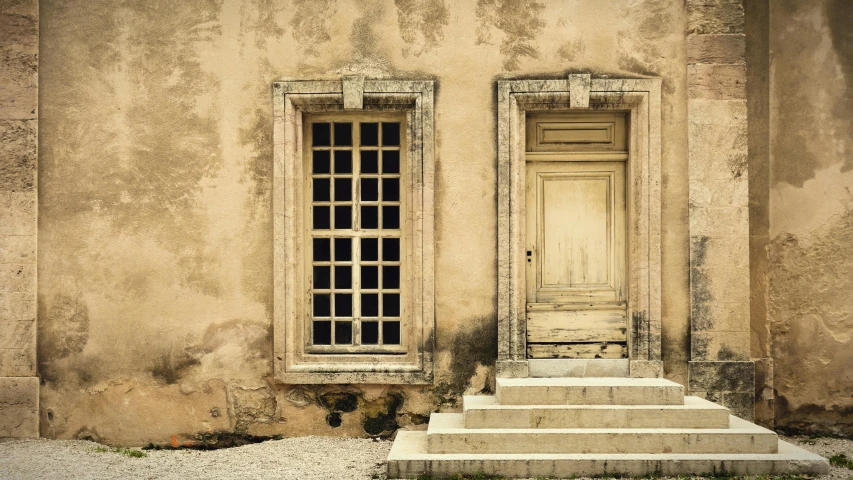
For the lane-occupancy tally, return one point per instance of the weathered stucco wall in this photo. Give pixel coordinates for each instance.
(810, 252)
(155, 281)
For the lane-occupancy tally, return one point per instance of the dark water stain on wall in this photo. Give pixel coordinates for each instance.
(63, 330)
(568, 51)
(129, 136)
(380, 416)
(256, 135)
(421, 23)
(310, 23)
(812, 419)
(814, 119)
(519, 22)
(474, 344)
(365, 43)
(839, 14)
(811, 294)
(171, 363)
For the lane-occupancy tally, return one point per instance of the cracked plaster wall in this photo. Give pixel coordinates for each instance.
(155, 171)
(802, 232)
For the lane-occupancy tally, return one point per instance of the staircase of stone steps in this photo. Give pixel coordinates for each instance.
(572, 427)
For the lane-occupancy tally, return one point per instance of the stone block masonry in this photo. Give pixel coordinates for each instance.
(19, 385)
(720, 368)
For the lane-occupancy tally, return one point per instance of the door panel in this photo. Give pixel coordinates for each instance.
(577, 325)
(574, 242)
(576, 247)
(576, 232)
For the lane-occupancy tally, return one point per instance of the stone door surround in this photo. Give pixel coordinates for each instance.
(641, 98)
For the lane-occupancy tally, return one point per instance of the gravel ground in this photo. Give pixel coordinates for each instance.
(305, 458)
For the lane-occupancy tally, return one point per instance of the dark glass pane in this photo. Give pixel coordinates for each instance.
(391, 305)
(391, 134)
(343, 217)
(390, 276)
(369, 276)
(390, 189)
(343, 249)
(322, 193)
(321, 133)
(369, 333)
(322, 333)
(322, 277)
(370, 189)
(343, 276)
(322, 249)
(391, 249)
(369, 304)
(369, 217)
(391, 333)
(321, 162)
(343, 161)
(369, 161)
(343, 189)
(322, 305)
(370, 134)
(343, 305)
(343, 333)
(322, 218)
(370, 249)
(343, 134)
(391, 161)
(391, 217)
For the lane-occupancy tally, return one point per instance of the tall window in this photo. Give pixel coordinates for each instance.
(356, 209)
(353, 229)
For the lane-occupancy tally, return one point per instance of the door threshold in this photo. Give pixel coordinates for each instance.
(578, 367)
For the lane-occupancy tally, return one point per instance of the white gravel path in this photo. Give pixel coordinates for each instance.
(305, 458)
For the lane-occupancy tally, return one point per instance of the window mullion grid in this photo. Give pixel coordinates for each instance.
(356, 239)
(380, 167)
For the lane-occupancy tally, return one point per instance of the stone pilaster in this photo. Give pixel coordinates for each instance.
(720, 367)
(19, 385)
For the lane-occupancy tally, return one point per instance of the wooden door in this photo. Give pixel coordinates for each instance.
(576, 251)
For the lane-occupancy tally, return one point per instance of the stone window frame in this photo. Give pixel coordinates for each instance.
(292, 99)
(641, 100)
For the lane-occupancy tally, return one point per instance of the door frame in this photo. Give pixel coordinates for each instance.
(640, 98)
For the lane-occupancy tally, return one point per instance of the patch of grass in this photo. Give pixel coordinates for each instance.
(841, 460)
(127, 452)
(812, 439)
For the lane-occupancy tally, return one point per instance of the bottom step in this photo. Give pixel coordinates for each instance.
(408, 459)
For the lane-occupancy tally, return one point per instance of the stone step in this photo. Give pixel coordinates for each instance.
(409, 458)
(485, 412)
(589, 391)
(447, 434)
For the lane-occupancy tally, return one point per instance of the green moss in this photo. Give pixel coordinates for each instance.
(127, 452)
(841, 460)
